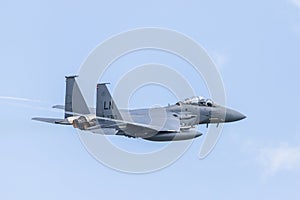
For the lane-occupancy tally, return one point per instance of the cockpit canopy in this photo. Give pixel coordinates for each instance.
(198, 101)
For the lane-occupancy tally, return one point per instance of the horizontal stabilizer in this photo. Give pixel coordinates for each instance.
(61, 107)
(52, 120)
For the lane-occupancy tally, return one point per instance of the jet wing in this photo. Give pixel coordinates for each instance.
(136, 119)
(157, 117)
(137, 129)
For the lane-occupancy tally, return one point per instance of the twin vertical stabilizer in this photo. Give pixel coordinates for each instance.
(75, 103)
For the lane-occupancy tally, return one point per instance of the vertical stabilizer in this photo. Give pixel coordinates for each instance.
(74, 101)
(105, 106)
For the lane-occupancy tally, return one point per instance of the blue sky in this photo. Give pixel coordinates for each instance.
(256, 46)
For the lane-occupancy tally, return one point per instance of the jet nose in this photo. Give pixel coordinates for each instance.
(232, 115)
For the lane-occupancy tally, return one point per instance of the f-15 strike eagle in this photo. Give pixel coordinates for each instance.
(170, 123)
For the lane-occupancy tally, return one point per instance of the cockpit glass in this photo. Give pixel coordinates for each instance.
(200, 101)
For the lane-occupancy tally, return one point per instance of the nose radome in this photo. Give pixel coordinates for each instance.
(232, 115)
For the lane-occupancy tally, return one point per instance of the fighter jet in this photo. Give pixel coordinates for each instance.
(170, 123)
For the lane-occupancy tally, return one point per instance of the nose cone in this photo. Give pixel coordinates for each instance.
(232, 115)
